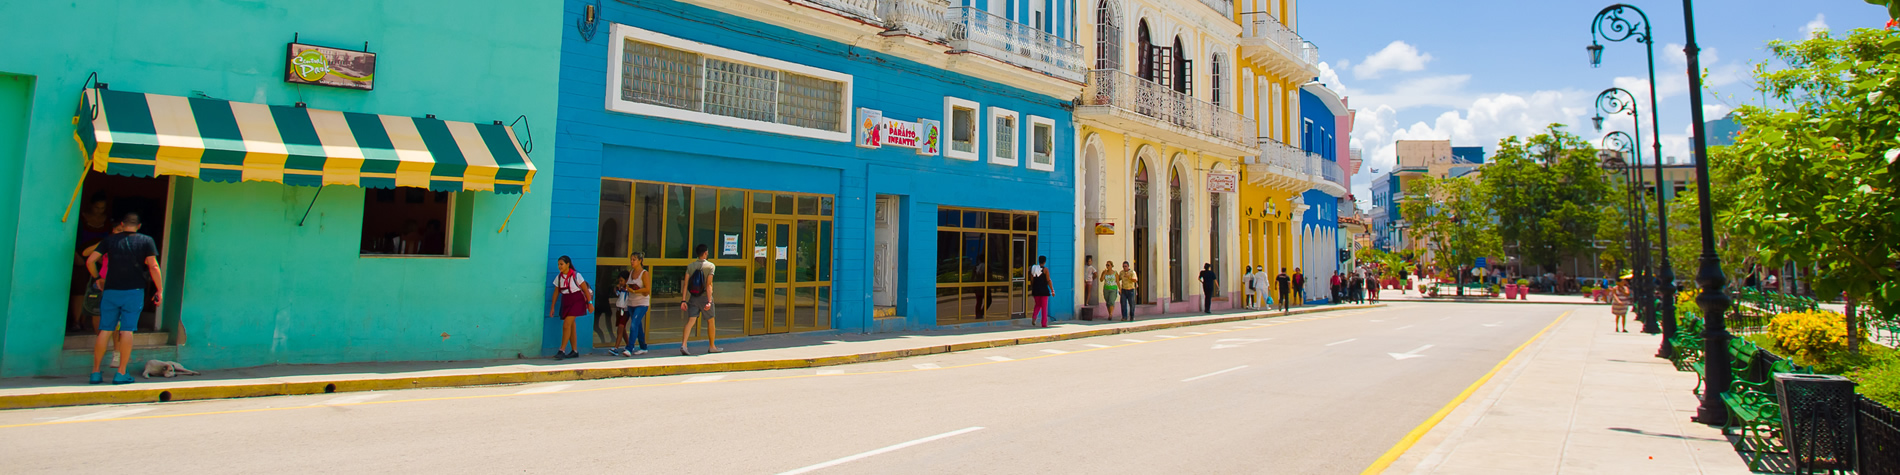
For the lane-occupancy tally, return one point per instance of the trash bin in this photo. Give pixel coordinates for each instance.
(1817, 417)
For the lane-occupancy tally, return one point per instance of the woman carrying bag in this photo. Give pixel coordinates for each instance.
(572, 298)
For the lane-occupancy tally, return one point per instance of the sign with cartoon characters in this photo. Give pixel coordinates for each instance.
(870, 127)
(931, 142)
(308, 64)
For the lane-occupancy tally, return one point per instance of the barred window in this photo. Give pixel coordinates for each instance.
(1006, 137)
(680, 79)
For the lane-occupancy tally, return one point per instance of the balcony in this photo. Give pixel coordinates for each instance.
(1282, 166)
(1138, 105)
(1267, 41)
(1225, 7)
(860, 9)
(977, 31)
(1333, 179)
(927, 19)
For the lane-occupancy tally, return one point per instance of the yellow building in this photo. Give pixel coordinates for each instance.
(1180, 100)
(1276, 62)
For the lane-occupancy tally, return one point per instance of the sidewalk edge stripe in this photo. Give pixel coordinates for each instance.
(1405, 444)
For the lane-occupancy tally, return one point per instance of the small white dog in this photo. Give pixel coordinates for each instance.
(166, 368)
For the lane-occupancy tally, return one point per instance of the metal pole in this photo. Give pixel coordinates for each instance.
(1713, 300)
(1667, 281)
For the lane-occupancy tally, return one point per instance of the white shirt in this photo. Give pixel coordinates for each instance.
(569, 283)
(1035, 270)
(1088, 274)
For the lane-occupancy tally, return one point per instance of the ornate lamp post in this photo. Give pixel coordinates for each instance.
(1713, 299)
(1613, 101)
(1622, 142)
(1611, 25)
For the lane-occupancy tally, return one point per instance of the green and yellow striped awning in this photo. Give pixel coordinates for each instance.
(136, 134)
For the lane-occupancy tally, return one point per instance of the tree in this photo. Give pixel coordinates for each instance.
(1819, 182)
(1548, 194)
(1452, 215)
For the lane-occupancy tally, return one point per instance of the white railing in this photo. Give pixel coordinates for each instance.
(1313, 165)
(1282, 156)
(1262, 26)
(865, 9)
(1331, 172)
(981, 32)
(1225, 7)
(927, 19)
(1113, 88)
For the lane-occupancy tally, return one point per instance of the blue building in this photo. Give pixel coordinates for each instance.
(1321, 113)
(850, 170)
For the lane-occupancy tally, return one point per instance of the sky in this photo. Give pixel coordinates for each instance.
(1476, 71)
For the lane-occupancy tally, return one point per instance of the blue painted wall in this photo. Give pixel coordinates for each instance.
(1320, 138)
(1468, 154)
(595, 142)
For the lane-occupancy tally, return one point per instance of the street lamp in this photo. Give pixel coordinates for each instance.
(1616, 100)
(1611, 25)
(1623, 143)
(1713, 299)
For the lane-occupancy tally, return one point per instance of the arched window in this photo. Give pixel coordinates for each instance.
(1143, 293)
(1183, 69)
(1215, 87)
(1108, 36)
(1174, 235)
(1144, 46)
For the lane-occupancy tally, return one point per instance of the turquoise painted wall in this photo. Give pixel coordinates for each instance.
(16, 99)
(258, 288)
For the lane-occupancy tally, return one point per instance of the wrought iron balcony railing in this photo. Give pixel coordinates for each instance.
(1114, 88)
(1262, 26)
(981, 32)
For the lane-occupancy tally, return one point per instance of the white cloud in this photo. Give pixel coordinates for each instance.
(1329, 76)
(1814, 27)
(1397, 56)
(1439, 91)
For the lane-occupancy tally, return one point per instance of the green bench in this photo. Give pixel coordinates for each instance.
(1687, 345)
(1754, 410)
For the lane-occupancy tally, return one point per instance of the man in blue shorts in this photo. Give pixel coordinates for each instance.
(130, 258)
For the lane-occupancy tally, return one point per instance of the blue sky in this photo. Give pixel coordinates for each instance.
(1483, 70)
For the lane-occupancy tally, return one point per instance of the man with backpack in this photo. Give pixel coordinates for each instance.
(123, 266)
(698, 301)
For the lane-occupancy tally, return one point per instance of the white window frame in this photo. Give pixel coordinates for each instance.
(1039, 121)
(1016, 137)
(616, 49)
(950, 104)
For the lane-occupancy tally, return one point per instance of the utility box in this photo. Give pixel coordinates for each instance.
(1817, 417)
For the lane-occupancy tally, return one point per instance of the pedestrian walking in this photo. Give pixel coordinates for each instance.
(1263, 287)
(1088, 281)
(1111, 292)
(1373, 286)
(120, 266)
(1248, 294)
(1128, 282)
(1040, 288)
(1299, 285)
(698, 301)
(1338, 287)
(1285, 288)
(572, 298)
(1620, 303)
(1405, 280)
(1357, 288)
(619, 311)
(640, 301)
(1210, 283)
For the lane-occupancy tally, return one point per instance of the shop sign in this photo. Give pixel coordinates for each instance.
(1222, 182)
(310, 64)
(932, 138)
(870, 121)
(1104, 229)
(899, 133)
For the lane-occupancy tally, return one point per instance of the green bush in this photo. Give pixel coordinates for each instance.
(1880, 381)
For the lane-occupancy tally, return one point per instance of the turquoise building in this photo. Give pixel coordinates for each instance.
(852, 166)
(385, 208)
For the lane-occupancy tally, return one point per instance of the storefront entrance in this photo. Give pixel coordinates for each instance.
(786, 293)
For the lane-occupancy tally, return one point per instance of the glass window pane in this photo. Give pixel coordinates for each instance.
(705, 220)
(664, 320)
(973, 219)
(679, 220)
(949, 257)
(762, 203)
(741, 90)
(949, 217)
(803, 317)
(999, 221)
(608, 332)
(782, 204)
(655, 74)
(1032, 222)
(1019, 221)
(808, 205)
(807, 250)
(810, 102)
(825, 250)
(759, 300)
(999, 254)
(649, 210)
(731, 225)
(823, 309)
(975, 260)
(761, 251)
(948, 309)
(729, 300)
(997, 302)
(616, 204)
(971, 307)
(824, 206)
(963, 129)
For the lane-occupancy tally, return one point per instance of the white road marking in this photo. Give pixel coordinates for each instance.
(1093, 345)
(925, 366)
(1493, 324)
(1348, 340)
(112, 414)
(1236, 368)
(1410, 354)
(544, 389)
(1054, 352)
(823, 372)
(852, 458)
(1405, 327)
(1196, 333)
(1376, 321)
(1237, 342)
(353, 399)
(706, 379)
(998, 358)
(834, 342)
(1167, 336)
(1131, 340)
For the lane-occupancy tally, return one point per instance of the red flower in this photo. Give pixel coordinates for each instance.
(1893, 23)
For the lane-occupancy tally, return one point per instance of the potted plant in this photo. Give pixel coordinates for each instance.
(1523, 289)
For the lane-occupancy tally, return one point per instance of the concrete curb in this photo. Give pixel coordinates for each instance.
(230, 391)
(1499, 301)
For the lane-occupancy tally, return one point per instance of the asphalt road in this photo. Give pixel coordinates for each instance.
(1318, 393)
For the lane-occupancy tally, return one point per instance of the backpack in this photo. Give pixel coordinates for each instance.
(696, 284)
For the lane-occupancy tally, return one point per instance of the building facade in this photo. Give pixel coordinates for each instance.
(1321, 113)
(397, 217)
(850, 169)
(1276, 62)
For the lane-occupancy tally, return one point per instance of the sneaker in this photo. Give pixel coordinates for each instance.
(639, 352)
(574, 354)
(560, 355)
(122, 378)
(96, 378)
(623, 353)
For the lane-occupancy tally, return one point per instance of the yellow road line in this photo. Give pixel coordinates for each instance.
(1419, 432)
(676, 383)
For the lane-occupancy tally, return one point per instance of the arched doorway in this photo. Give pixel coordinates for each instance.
(1144, 47)
(1093, 176)
(1183, 80)
(1175, 266)
(1145, 291)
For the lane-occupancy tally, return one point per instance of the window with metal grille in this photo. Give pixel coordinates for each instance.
(670, 77)
(1006, 137)
(1215, 85)
(1108, 37)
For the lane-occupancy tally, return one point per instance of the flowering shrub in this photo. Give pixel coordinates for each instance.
(1687, 297)
(1814, 336)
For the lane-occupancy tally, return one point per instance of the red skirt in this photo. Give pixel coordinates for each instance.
(573, 304)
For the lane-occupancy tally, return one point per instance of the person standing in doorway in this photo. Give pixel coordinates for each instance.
(572, 298)
(1299, 285)
(1040, 288)
(1210, 283)
(1088, 281)
(698, 302)
(640, 300)
(1285, 285)
(1128, 282)
(120, 266)
(1111, 292)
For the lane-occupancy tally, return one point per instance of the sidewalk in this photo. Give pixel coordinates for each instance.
(1580, 399)
(793, 351)
(1391, 295)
